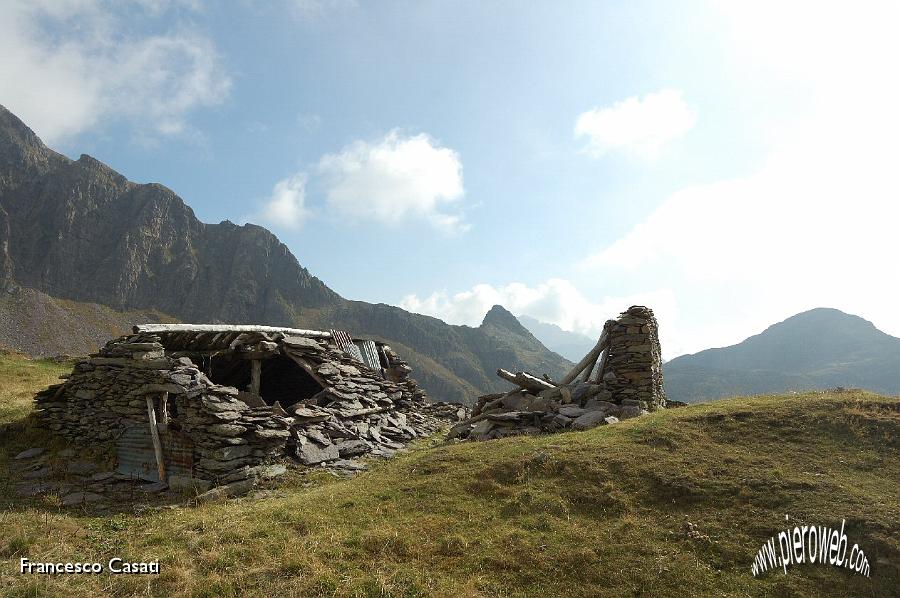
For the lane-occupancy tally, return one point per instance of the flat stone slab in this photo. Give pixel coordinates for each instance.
(571, 411)
(310, 454)
(267, 472)
(35, 488)
(81, 467)
(29, 453)
(589, 420)
(154, 487)
(512, 416)
(348, 465)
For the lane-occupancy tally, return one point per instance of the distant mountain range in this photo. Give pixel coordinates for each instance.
(84, 253)
(818, 349)
(571, 345)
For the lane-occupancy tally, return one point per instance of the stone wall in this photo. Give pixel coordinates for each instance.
(107, 394)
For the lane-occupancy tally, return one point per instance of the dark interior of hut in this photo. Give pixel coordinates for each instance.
(281, 379)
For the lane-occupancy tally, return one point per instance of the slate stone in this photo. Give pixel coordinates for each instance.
(43, 472)
(35, 488)
(180, 483)
(571, 411)
(348, 465)
(590, 419)
(598, 405)
(154, 487)
(352, 448)
(268, 472)
(227, 429)
(30, 453)
(629, 411)
(81, 467)
(269, 434)
(310, 454)
(233, 489)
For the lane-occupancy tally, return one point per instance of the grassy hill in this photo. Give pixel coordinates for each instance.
(597, 513)
(817, 349)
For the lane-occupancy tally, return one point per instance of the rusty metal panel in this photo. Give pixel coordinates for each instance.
(134, 451)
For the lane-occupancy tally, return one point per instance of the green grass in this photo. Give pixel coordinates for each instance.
(597, 513)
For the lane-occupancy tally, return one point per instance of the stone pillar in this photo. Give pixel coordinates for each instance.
(634, 365)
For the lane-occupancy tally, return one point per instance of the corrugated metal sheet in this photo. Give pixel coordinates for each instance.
(134, 450)
(346, 344)
(369, 354)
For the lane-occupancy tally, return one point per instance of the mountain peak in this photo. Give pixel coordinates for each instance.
(500, 316)
(22, 153)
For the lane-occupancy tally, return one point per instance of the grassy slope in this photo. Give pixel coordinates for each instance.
(602, 512)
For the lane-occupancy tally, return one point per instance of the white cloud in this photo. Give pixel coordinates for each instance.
(67, 66)
(639, 126)
(816, 224)
(393, 180)
(556, 301)
(286, 207)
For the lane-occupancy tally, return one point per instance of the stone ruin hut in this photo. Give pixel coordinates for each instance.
(621, 377)
(203, 405)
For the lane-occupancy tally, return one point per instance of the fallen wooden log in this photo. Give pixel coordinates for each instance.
(525, 380)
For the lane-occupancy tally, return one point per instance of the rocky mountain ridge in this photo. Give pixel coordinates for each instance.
(77, 230)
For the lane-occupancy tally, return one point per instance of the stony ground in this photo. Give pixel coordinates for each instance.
(673, 503)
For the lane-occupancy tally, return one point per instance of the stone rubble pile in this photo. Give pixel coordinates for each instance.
(358, 412)
(625, 382)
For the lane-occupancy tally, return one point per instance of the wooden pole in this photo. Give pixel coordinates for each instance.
(255, 374)
(602, 364)
(524, 380)
(589, 370)
(591, 357)
(164, 411)
(157, 445)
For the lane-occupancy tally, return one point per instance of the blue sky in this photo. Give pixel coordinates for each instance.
(727, 164)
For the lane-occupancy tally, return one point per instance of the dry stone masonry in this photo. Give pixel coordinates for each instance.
(209, 405)
(619, 379)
